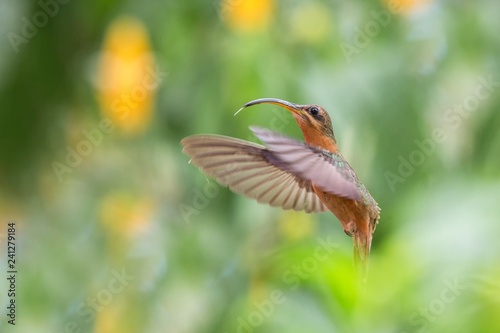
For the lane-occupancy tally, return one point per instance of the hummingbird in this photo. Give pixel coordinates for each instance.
(312, 176)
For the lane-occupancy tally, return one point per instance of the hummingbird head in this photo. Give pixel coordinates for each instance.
(313, 120)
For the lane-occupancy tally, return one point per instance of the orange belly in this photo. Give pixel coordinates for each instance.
(346, 210)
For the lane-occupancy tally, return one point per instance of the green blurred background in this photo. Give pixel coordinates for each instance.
(116, 232)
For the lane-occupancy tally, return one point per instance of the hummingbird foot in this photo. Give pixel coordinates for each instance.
(350, 228)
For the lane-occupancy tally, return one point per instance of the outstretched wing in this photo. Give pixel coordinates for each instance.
(252, 170)
(329, 172)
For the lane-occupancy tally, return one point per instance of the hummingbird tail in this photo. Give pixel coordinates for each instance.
(362, 243)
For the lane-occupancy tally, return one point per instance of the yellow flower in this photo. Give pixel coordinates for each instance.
(247, 15)
(126, 79)
(405, 6)
(112, 317)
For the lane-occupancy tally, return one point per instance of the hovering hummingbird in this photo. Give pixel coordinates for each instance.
(311, 176)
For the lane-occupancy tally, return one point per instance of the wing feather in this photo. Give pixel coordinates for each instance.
(251, 170)
(328, 171)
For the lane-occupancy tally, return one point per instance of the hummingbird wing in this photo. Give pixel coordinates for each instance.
(252, 170)
(328, 171)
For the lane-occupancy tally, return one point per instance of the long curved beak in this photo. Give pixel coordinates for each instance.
(294, 108)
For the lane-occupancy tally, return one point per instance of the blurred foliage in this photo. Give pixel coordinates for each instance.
(118, 233)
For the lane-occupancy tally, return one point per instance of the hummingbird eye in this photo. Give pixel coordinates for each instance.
(314, 111)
